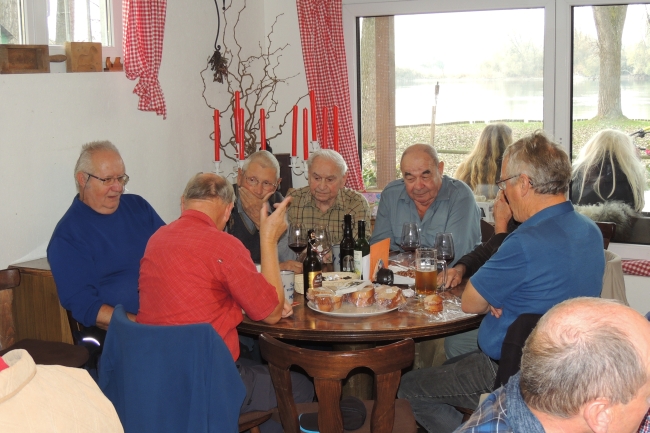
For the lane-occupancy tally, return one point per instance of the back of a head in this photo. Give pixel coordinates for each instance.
(209, 186)
(264, 158)
(544, 162)
(330, 155)
(85, 161)
(617, 148)
(483, 164)
(580, 351)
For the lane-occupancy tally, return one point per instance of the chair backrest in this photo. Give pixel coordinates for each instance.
(512, 347)
(9, 278)
(608, 230)
(328, 370)
(487, 230)
(170, 378)
(284, 159)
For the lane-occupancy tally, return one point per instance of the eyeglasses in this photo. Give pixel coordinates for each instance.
(122, 180)
(501, 183)
(266, 185)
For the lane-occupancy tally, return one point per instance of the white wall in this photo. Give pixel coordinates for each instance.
(45, 118)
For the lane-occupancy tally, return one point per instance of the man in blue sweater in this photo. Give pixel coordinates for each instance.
(96, 247)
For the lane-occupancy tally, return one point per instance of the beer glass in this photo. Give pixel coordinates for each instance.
(426, 271)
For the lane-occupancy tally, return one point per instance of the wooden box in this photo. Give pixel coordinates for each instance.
(83, 57)
(24, 59)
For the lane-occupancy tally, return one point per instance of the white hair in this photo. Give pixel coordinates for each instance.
(330, 155)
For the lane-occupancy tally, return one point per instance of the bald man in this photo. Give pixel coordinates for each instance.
(585, 368)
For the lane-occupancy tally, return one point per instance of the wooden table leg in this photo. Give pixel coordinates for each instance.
(360, 381)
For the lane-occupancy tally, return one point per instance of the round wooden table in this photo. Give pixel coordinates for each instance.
(306, 324)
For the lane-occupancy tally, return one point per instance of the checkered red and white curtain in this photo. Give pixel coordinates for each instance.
(323, 50)
(144, 28)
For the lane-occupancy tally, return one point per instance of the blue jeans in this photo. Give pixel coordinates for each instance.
(434, 391)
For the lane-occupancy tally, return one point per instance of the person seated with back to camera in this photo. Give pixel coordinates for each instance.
(481, 168)
(194, 272)
(608, 168)
(585, 369)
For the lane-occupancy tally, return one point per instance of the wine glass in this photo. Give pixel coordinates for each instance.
(410, 238)
(322, 243)
(297, 238)
(444, 246)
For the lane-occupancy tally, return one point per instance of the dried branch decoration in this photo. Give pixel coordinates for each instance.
(254, 77)
(218, 63)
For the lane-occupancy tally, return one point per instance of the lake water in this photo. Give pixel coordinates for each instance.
(486, 100)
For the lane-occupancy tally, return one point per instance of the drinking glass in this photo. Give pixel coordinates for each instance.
(297, 238)
(322, 243)
(426, 271)
(445, 247)
(410, 238)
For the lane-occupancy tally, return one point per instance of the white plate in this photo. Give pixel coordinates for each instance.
(349, 310)
(399, 279)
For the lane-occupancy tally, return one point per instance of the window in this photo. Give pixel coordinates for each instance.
(561, 34)
(54, 22)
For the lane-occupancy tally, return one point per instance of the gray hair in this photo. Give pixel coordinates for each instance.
(209, 186)
(85, 162)
(330, 155)
(618, 148)
(571, 360)
(421, 147)
(264, 158)
(543, 161)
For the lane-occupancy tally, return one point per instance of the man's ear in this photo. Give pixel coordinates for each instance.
(82, 178)
(182, 204)
(598, 415)
(441, 168)
(526, 186)
(226, 214)
(345, 178)
(240, 177)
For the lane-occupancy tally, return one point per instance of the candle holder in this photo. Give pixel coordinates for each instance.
(314, 146)
(217, 167)
(296, 166)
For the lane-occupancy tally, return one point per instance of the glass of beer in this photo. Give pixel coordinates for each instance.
(426, 271)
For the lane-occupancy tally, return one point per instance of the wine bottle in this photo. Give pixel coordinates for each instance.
(347, 245)
(361, 249)
(311, 268)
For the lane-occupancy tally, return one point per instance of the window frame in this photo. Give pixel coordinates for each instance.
(36, 32)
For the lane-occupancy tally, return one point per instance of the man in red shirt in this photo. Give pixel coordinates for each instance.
(194, 272)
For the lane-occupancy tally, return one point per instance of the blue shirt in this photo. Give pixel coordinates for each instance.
(555, 255)
(503, 411)
(95, 258)
(453, 211)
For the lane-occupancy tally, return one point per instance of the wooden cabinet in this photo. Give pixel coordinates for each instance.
(37, 312)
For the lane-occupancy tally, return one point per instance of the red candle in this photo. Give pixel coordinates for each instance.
(242, 141)
(312, 104)
(217, 136)
(305, 132)
(325, 119)
(235, 112)
(335, 114)
(294, 132)
(262, 129)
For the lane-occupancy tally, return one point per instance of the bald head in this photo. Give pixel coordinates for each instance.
(425, 150)
(582, 350)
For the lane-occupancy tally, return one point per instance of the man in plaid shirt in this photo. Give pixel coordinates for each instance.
(585, 368)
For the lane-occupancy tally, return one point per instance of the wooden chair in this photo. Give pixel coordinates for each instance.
(385, 414)
(608, 230)
(43, 352)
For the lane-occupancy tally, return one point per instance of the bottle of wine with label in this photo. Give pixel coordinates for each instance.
(347, 245)
(361, 249)
(311, 268)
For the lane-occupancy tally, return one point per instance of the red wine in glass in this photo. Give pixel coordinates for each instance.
(298, 247)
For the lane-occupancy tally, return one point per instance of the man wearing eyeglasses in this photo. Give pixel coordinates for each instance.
(257, 183)
(97, 245)
(554, 255)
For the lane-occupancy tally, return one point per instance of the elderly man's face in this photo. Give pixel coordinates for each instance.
(422, 177)
(258, 180)
(325, 181)
(103, 199)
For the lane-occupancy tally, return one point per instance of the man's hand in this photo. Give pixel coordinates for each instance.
(273, 226)
(496, 312)
(502, 213)
(291, 265)
(454, 276)
(253, 204)
(287, 310)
